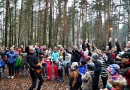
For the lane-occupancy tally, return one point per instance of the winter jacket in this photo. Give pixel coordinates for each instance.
(116, 82)
(3, 56)
(74, 56)
(60, 53)
(83, 56)
(87, 80)
(18, 61)
(55, 55)
(49, 63)
(73, 78)
(97, 71)
(82, 69)
(32, 61)
(125, 72)
(24, 58)
(12, 56)
(1, 63)
(78, 55)
(66, 62)
(60, 65)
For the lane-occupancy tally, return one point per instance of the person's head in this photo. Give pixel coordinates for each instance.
(113, 69)
(94, 56)
(49, 58)
(66, 57)
(125, 57)
(83, 62)
(90, 66)
(128, 44)
(61, 49)
(11, 49)
(107, 48)
(60, 58)
(74, 66)
(29, 49)
(55, 49)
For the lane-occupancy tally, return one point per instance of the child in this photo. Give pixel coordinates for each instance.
(88, 77)
(17, 65)
(60, 68)
(115, 81)
(74, 76)
(55, 68)
(1, 67)
(49, 68)
(82, 70)
(66, 65)
(97, 70)
(125, 70)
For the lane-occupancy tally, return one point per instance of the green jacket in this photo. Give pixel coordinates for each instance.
(18, 61)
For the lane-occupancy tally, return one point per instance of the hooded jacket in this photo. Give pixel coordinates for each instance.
(55, 55)
(12, 56)
(1, 63)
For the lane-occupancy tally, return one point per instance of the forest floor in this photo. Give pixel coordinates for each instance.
(23, 83)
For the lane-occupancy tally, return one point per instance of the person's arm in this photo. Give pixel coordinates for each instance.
(118, 47)
(83, 47)
(16, 56)
(75, 80)
(68, 51)
(31, 63)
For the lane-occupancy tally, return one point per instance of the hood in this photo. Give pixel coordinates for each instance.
(117, 80)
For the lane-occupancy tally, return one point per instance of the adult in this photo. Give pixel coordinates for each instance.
(12, 57)
(33, 61)
(61, 52)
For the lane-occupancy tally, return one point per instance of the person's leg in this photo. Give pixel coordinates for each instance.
(95, 87)
(12, 68)
(22, 69)
(104, 80)
(34, 83)
(15, 69)
(3, 67)
(26, 66)
(40, 77)
(9, 66)
(1, 72)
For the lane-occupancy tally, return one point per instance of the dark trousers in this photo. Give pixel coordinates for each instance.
(95, 87)
(16, 70)
(104, 80)
(11, 69)
(60, 73)
(73, 88)
(44, 68)
(34, 82)
(26, 67)
(79, 85)
(67, 70)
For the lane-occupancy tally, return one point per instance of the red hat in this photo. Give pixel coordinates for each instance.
(55, 48)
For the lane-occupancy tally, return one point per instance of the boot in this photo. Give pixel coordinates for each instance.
(60, 79)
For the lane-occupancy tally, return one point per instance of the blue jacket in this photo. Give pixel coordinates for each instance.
(55, 55)
(97, 71)
(12, 56)
(82, 69)
(1, 63)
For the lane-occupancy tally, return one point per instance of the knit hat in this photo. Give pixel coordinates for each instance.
(27, 49)
(55, 48)
(83, 62)
(90, 66)
(95, 56)
(113, 69)
(75, 64)
(61, 57)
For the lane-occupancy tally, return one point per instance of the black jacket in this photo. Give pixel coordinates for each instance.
(88, 46)
(32, 61)
(3, 56)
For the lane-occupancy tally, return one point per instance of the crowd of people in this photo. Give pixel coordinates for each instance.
(88, 67)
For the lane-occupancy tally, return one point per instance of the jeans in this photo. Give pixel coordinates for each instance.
(44, 68)
(11, 69)
(34, 82)
(1, 72)
(22, 69)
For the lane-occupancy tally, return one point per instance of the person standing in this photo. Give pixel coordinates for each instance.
(55, 55)
(32, 62)
(12, 57)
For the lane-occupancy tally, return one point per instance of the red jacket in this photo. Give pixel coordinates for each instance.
(113, 55)
(127, 76)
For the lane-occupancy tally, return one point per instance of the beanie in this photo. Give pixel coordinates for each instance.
(95, 56)
(90, 66)
(27, 49)
(113, 69)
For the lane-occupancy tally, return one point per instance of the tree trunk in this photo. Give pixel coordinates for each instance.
(73, 23)
(10, 27)
(129, 19)
(6, 21)
(15, 40)
(50, 25)
(45, 25)
(65, 19)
